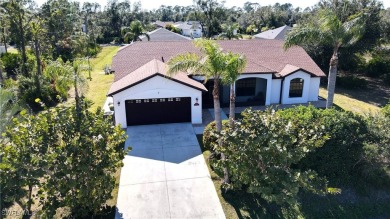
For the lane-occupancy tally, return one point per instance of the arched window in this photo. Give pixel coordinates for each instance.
(296, 87)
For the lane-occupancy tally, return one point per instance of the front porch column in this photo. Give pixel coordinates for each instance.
(269, 91)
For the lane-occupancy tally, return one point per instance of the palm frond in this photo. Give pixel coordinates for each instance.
(188, 62)
(235, 64)
(354, 29)
(147, 36)
(302, 35)
(128, 36)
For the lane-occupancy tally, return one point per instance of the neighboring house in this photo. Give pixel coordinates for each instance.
(162, 24)
(163, 34)
(275, 34)
(190, 29)
(2, 49)
(143, 94)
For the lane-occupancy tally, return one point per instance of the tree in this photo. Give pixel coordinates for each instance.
(22, 158)
(211, 12)
(19, 16)
(230, 32)
(4, 24)
(68, 153)
(86, 153)
(329, 30)
(262, 149)
(235, 65)
(70, 165)
(251, 29)
(37, 33)
(211, 64)
(61, 19)
(134, 32)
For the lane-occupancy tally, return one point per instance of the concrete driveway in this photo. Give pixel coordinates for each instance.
(165, 175)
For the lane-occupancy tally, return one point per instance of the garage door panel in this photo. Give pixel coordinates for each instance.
(158, 111)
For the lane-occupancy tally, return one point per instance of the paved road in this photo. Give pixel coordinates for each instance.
(165, 175)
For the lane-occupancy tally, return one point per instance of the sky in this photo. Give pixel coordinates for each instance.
(153, 4)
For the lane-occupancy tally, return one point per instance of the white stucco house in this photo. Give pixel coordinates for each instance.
(143, 94)
(191, 29)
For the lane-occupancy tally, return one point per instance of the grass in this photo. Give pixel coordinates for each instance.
(100, 83)
(246, 36)
(12, 50)
(351, 104)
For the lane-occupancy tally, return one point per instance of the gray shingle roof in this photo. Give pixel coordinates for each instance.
(275, 34)
(162, 34)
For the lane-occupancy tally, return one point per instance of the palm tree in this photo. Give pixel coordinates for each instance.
(134, 32)
(228, 32)
(235, 64)
(330, 31)
(212, 65)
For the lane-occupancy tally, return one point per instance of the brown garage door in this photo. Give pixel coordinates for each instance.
(158, 111)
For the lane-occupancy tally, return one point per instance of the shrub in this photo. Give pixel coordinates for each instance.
(339, 158)
(93, 49)
(351, 82)
(208, 137)
(172, 28)
(261, 150)
(11, 63)
(377, 149)
(386, 110)
(28, 92)
(351, 62)
(378, 66)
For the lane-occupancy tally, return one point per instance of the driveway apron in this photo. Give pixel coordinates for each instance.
(165, 175)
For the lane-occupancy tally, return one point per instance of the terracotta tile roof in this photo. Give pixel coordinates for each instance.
(149, 70)
(264, 56)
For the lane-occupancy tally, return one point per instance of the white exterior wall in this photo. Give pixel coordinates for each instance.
(314, 88)
(186, 32)
(196, 33)
(310, 88)
(268, 77)
(157, 87)
(276, 86)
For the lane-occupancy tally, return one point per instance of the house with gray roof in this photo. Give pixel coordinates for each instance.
(162, 34)
(275, 34)
(191, 29)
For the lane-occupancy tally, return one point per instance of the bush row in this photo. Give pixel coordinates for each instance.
(357, 147)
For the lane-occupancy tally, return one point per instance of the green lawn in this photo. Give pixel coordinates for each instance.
(12, 50)
(350, 104)
(100, 83)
